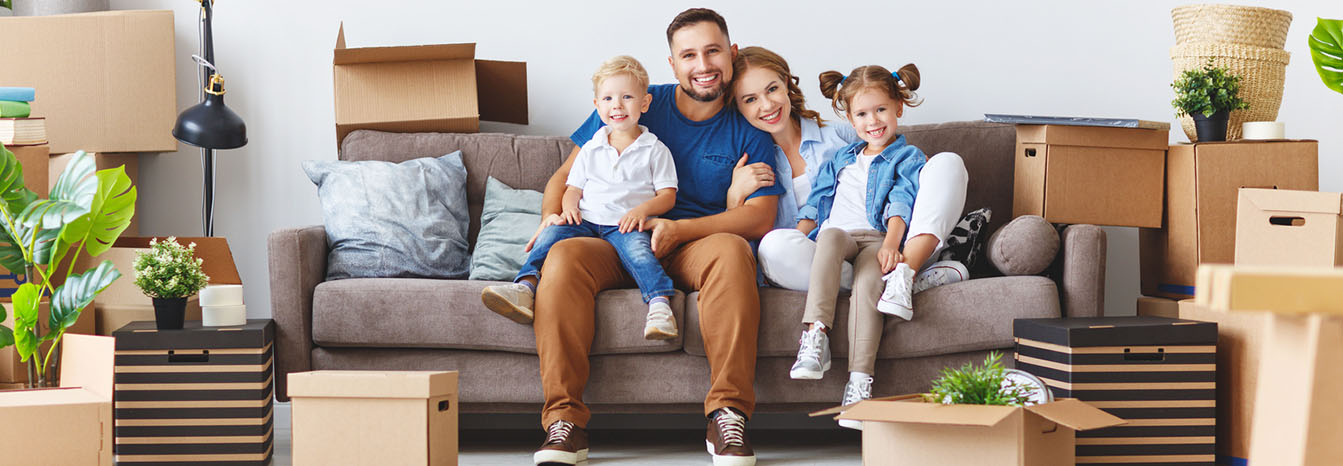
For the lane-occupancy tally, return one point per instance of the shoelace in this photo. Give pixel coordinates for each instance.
(888, 293)
(559, 432)
(810, 344)
(855, 392)
(731, 428)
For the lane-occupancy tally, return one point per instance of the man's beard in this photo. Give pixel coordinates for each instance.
(708, 96)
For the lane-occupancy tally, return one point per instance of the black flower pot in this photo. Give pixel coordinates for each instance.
(169, 313)
(1211, 128)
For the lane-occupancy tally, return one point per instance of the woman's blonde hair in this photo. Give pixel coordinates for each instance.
(620, 64)
(761, 57)
(900, 85)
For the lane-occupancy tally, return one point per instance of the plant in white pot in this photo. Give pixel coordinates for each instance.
(169, 273)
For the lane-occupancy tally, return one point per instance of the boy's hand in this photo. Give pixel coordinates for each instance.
(889, 257)
(572, 215)
(633, 220)
(552, 219)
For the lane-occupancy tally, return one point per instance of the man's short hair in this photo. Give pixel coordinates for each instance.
(695, 16)
(621, 64)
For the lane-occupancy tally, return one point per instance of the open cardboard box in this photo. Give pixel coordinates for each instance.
(218, 265)
(1284, 227)
(424, 88)
(918, 432)
(12, 370)
(67, 425)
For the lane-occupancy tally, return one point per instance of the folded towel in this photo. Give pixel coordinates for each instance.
(12, 109)
(18, 94)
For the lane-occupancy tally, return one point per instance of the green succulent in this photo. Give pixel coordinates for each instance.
(977, 385)
(1206, 91)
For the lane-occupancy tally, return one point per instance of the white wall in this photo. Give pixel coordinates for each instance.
(1098, 58)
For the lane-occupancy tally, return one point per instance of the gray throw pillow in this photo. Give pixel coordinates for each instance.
(1025, 246)
(509, 219)
(388, 219)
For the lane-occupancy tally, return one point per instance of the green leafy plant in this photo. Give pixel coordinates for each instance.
(7, 4)
(977, 385)
(169, 270)
(1206, 91)
(84, 212)
(1326, 49)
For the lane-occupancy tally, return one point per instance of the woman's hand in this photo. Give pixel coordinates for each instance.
(552, 219)
(746, 179)
(889, 257)
(665, 235)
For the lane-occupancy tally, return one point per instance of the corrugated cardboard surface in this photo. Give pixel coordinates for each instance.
(112, 317)
(1101, 176)
(218, 265)
(1287, 290)
(1240, 346)
(102, 161)
(69, 425)
(105, 81)
(1284, 227)
(1158, 307)
(33, 158)
(1296, 414)
(339, 417)
(1202, 183)
(14, 371)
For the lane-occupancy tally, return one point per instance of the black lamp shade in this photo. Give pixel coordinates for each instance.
(211, 125)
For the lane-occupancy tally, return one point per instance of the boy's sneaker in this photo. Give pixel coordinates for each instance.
(661, 324)
(940, 273)
(566, 443)
(513, 301)
(726, 439)
(897, 298)
(813, 355)
(855, 391)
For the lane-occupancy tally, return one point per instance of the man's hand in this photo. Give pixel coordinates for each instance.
(553, 219)
(746, 179)
(665, 235)
(633, 220)
(889, 257)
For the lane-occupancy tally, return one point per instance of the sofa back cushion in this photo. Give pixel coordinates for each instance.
(987, 150)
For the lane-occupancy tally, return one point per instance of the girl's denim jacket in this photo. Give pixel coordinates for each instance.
(892, 184)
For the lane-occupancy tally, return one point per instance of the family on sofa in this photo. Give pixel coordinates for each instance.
(673, 183)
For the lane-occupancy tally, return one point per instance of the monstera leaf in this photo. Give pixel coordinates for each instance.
(1326, 49)
(69, 199)
(16, 196)
(26, 300)
(109, 214)
(76, 294)
(6, 335)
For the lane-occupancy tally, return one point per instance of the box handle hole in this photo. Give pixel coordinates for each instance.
(1159, 355)
(1030, 152)
(444, 405)
(1287, 221)
(203, 356)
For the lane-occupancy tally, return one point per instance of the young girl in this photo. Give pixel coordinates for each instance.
(858, 210)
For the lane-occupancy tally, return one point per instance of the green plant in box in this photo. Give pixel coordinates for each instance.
(1326, 50)
(977, 385)
(169, 270)
(1207, 91)
(84, 212)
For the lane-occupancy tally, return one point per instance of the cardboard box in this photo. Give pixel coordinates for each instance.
(1282, 227)
(112, 317)
(34, 158)
(424, 88)
(12, 370)
(1288, 290)
(1158, 307)
(1240, 346)
(102, 161)
(67, 425)
(117, 96)
(1087, 174)
(215, 251)
(1202, 184)
(916, 432)
(374, 417)
(1296, 411)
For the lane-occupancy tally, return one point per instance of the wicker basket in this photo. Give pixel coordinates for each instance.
(1234, 24)
(1261, 72)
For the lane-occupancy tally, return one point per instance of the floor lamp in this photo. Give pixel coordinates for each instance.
(209, 124)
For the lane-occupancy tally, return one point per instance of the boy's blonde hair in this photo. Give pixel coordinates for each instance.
(622, 64)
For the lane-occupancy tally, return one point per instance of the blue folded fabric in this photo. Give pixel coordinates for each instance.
(18, 94)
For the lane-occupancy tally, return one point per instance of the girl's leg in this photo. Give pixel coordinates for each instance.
(785, 257)
(833, 247)
(865, 322)
(937, 207)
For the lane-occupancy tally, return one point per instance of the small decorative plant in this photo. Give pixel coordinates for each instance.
(977, 385)
(1326, 50)
(1207, 91)
(169, 270)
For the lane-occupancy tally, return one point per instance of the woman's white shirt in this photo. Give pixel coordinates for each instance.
(818, 146)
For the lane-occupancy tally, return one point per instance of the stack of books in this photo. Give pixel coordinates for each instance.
(16, 127)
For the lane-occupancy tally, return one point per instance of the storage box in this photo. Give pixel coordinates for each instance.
(1158, 307)
(12, 370)
(915, 432)
(67, 425)
(194, 396)
(215, 251)
(1297, 290)
(374, 417)
(424, 88)
(1202, 183)
(106, 81)
(1240, 347)
(1087, 174)
(34, 159)
(1158, 374)
(1296, 411)
(1283, 227)
(111, 317)
(102, 161)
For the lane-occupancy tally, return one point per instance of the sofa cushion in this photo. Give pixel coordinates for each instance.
(509, 219)
(424, 313)
(1025, 246)
(967, 316)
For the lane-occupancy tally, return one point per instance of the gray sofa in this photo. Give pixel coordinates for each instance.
(425, 324)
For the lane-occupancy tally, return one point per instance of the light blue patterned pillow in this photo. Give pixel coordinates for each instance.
(388, 219)
(509, 219)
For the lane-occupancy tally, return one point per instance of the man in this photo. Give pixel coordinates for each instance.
(701, 246)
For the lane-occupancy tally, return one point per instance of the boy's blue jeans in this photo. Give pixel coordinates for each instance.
(635, 250)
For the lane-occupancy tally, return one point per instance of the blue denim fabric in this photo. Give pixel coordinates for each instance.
(892, 183)
(819, 144)
(634, 248)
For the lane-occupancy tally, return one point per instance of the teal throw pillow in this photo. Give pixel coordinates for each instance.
(509, 219)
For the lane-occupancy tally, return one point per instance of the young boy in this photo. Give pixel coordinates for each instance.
(619, 178)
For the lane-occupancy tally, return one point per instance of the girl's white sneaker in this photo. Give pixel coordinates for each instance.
(897, 298)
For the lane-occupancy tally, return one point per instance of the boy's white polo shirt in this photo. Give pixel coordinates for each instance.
(613, 183)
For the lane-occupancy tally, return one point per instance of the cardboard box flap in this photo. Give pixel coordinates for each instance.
(1280, 289)
(88, 362)
(501, 87)
(372, 384)
(1286, 200)
(1094, 136)
(348, 56)
(841, 408)
(919, 412)
(1076, 414)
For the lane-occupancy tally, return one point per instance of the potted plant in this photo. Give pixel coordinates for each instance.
(990, 384)
(169, 273)
(1326, 50)
(1208, 95)
(84, 212)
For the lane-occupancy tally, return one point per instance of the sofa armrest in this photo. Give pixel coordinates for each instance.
(1082, 293)
(297, 260)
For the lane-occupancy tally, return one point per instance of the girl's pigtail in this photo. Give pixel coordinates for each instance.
(830, 83)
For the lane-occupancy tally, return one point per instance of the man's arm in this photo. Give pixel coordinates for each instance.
(552, 202)
(751, 221)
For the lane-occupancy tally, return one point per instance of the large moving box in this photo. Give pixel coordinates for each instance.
(106, 81)
(374, 417)
(1202, 183)
(1282, 227)
(1158, 307)
(1240, 347)
(67, 425)
(34, 159)
(12, 370)
(424, 88)
(1086, 174)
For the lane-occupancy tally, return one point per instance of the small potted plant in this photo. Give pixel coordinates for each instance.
(169, 273)
(990, 384)
(1208, 94)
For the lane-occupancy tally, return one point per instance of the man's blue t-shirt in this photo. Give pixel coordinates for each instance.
(705, 152)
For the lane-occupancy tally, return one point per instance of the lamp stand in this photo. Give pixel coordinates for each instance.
(207, 155)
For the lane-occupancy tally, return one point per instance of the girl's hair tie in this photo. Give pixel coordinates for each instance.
(896, 75)
(843, 77)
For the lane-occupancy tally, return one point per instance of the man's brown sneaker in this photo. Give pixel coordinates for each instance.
(566, 443)
(726, 439)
